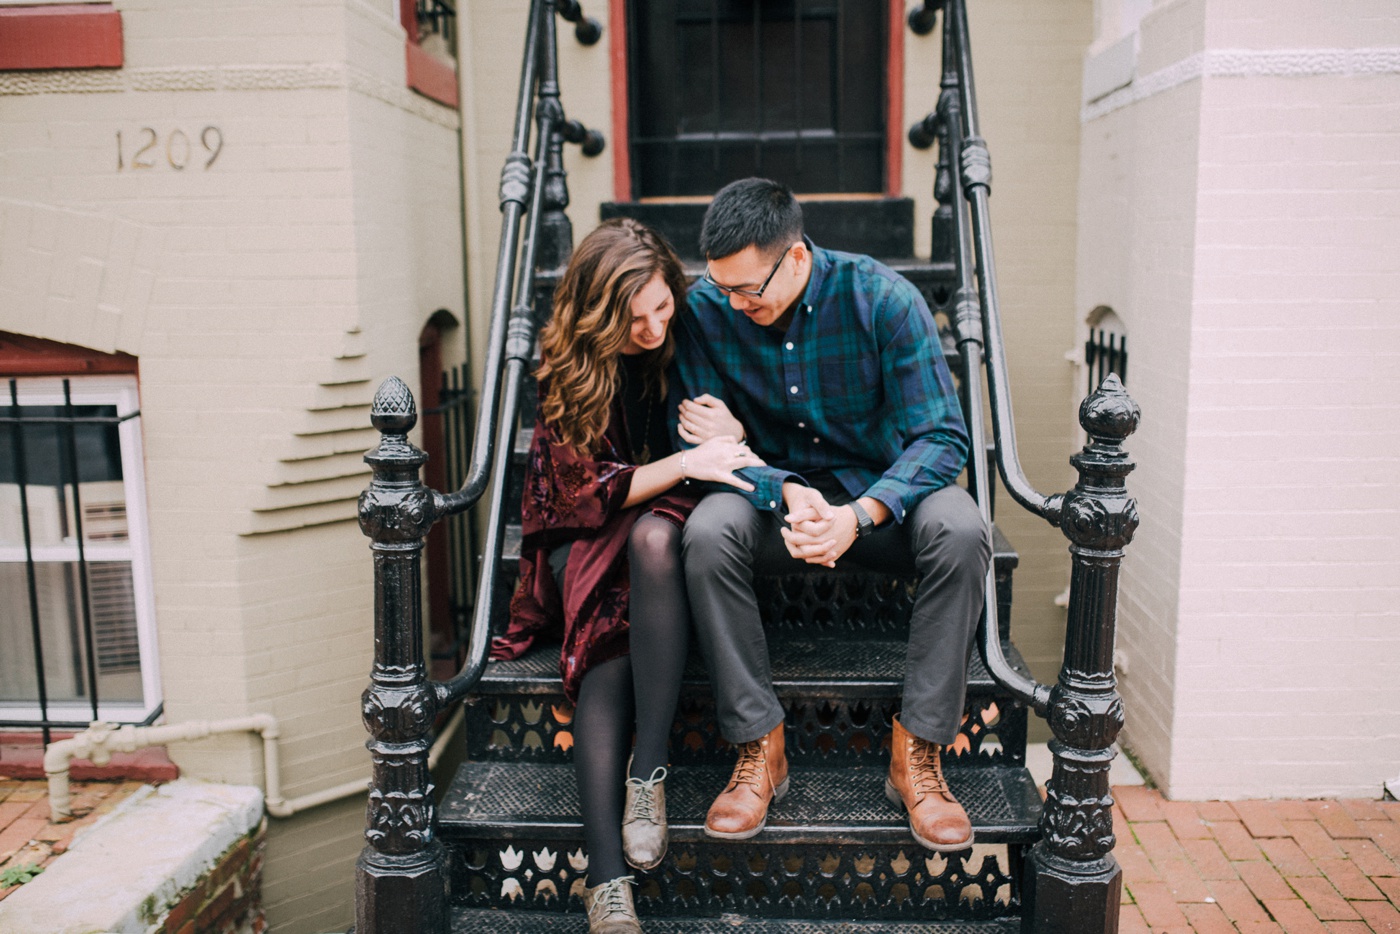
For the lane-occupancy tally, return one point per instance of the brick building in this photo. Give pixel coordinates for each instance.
(238, 219)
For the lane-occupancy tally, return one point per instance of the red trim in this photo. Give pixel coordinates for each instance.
(621, 135)
(64, 36)
(408, 16)
(894, 96)
(430, 75)
(21, 355)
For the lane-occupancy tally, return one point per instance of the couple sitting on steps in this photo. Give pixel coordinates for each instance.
(792, 408)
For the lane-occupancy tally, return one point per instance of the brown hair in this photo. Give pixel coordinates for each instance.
(592, 323)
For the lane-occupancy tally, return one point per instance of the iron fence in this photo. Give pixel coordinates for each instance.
(1105, 352)
(455, 408)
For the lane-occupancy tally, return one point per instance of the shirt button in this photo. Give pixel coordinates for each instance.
(772, 504)
(816, 440)
(793, 390)
(788, 345)
(801, 424)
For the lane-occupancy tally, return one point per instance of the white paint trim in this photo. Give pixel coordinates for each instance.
(1248, 63)
(317, 75)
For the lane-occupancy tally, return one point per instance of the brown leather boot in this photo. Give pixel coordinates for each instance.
(610, 908)
(760, 776)
(916, 783)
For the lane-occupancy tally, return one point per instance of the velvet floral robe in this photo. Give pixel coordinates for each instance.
(573, 497)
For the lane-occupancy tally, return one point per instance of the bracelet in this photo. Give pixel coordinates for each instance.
(683, 465)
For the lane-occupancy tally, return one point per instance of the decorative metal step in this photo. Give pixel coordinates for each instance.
(839, 696)
(833, 848)
(803, 666)
(474, 920)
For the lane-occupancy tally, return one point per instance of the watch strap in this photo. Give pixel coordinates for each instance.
(864, 524)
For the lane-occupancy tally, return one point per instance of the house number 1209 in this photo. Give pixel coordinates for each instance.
(178, 150)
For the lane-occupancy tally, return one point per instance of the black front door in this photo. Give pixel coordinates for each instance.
(789, 89)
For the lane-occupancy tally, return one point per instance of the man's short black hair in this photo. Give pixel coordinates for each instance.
(750, 212)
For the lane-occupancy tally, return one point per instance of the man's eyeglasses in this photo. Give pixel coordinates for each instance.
(747, 293)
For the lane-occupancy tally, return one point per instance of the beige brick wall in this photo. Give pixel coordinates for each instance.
(1239, 220)
(265, 296)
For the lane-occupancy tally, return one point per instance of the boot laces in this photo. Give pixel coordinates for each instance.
(750, 768)
(926, 768)
(644, 801)
(610, 898)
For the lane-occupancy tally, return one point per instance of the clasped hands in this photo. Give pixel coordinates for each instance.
(707, 423)
(817, 532)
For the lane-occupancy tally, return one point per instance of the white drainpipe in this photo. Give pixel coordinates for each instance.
(100, 740)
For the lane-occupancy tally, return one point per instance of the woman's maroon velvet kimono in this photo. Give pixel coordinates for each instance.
(573, 497)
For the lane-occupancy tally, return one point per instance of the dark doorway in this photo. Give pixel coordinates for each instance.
(789, 89)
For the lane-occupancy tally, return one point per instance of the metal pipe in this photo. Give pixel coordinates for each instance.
(100, 740)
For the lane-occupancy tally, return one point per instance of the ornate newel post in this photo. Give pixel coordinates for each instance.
(401, 876)
(1072, 881)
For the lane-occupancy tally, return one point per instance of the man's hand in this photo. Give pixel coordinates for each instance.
(818, 533)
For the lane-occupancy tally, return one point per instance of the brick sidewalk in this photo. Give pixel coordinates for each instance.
(1216, 867)
(28, 838)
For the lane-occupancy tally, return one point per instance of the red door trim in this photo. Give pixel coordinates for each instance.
(621, 134)
(894, 97)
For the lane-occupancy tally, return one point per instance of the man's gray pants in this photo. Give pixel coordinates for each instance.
(943, 540)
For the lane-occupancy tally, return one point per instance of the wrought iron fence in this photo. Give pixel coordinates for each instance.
(455, 408)
(77, 607)
(1105, 352)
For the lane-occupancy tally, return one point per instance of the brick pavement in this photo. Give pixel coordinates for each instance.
(1257, 867)
(29, 838)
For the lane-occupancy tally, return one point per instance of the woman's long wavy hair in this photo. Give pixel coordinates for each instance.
(592, 323)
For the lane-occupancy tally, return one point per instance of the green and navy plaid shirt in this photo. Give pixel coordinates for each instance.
(857, 386)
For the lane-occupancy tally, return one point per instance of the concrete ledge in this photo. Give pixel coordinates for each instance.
(128, 871)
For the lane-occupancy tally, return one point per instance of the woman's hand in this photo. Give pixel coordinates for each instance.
(717, 459)
(706, 417)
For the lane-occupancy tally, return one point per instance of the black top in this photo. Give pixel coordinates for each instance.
(646, 414)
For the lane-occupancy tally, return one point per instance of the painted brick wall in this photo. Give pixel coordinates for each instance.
(1258, 620)
(266, 295)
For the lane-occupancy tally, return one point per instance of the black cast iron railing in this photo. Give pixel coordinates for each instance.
(401, 876)
(86, 645)
(1071, 881)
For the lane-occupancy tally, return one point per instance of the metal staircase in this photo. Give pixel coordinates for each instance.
(503, 850)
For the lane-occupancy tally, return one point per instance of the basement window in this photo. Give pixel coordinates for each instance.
(77, 626)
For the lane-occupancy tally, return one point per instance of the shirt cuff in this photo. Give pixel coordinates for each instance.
(887, 494)
(768, 487)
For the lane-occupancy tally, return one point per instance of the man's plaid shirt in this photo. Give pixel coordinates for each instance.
(858, 384)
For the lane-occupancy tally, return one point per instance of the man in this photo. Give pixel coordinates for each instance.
(832, 363)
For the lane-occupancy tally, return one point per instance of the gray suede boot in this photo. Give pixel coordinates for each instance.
(644, 831)
(610, 908)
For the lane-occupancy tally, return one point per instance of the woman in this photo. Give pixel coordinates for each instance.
(601, 549)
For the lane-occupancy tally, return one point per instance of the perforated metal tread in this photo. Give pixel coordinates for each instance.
(524, 800)
(867, 666)
(474, 920)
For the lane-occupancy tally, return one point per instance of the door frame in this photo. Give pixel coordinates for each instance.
(894, 100)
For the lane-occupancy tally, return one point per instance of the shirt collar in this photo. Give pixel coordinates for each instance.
(821, 265)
